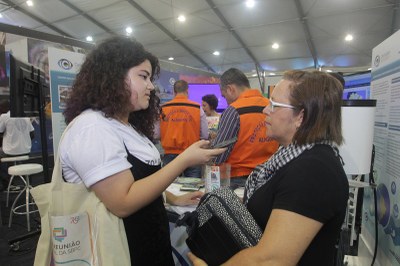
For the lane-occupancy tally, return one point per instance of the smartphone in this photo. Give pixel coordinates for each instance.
(189, 187)
(224, 143)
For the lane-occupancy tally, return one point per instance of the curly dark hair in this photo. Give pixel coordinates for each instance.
(100, 83)
(212, 100)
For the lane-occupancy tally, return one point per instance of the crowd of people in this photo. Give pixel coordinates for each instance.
(285, 155)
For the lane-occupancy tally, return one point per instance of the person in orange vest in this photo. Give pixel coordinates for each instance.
(183, 122)
(243, 119)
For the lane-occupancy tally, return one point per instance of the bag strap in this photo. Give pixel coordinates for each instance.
(56, 178)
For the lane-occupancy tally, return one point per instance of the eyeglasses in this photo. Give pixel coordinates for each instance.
(272, 105)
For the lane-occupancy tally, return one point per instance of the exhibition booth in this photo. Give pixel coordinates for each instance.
(371, 128)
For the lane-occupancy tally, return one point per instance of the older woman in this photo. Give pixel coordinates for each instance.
(299, 195)
(210, 104)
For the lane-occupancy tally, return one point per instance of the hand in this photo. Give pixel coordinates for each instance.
(191, 198)
(195, 260)
(199, 153)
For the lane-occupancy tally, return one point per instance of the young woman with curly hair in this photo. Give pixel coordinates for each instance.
(113, 108)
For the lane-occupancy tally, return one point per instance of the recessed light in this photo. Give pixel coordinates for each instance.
(29, 3)
(216, 53)
(275, 45)
(128, 30)
(250, 3)
(181, 18)
(171, 58)
(348, 37)
(89, 38)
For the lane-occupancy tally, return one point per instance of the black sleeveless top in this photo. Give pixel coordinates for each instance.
(147, 230)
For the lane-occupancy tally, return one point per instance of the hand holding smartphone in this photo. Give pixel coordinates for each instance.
(224, 143)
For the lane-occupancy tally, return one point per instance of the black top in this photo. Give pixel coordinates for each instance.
(147, 230)
(313, 185)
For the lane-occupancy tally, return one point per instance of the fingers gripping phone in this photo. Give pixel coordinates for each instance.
(224, 143)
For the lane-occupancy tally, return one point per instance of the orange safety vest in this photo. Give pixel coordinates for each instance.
(253, 146)
(179, 124)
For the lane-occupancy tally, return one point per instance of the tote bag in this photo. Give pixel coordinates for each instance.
(76, 227)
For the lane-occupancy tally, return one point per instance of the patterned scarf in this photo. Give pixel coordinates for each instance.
(264, 172)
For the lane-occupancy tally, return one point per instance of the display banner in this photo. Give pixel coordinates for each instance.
(385, 88)
(63, 66)
(165, 84)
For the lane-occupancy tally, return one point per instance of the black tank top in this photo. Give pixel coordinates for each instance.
(147, 230)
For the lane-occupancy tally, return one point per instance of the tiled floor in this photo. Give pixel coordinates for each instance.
(17, 253)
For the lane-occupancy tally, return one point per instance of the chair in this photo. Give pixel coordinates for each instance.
(24, 171)
(14, 159)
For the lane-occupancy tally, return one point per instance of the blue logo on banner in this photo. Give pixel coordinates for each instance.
(65, 64)
(377, 60)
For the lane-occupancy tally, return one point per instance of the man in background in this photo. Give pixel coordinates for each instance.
(243, 119)
(17, 133)
(183, 122)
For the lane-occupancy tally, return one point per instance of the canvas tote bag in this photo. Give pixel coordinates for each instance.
(76, 227)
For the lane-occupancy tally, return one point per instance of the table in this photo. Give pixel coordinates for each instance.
(178, 234)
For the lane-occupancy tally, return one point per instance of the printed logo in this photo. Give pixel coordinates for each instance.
(65, 64)
(377, 60)
(75, 219)
(171, 81)
(59, 234)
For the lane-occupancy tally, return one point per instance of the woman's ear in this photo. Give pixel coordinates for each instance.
(299, 118)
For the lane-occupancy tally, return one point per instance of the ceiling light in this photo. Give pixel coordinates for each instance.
(348, 37)
(272, 74)
(128, 30)
(171, 58)
(29, 3)
(181, 18)
(216, 53)
(275, 45)
(369, 69)
(1, 15)
(328, 70)
(250, 3)
(255, 75)
(89, 38)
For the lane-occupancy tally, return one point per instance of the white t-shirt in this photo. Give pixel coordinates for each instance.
(16, 138)
(94, 148)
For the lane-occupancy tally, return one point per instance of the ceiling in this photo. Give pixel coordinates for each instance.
(310, 32)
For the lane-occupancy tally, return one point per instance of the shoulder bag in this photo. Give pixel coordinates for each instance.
(76, 227)
(220, 227)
